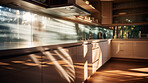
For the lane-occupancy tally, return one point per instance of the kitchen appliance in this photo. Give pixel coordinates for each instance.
(64, 8)
(68, 8)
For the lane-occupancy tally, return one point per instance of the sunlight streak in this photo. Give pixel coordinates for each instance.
(100, 57)
(85, 50)
(127, 73)
(85, 70)
(35, 60)
(140, 69)
(2, 63)
(70, 66)
(61, 71)
(65, 53)
(68, 77)
(18, 61)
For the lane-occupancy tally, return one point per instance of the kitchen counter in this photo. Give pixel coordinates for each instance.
(25, 47)
(129, 39)
(21, 45)
(60, 63)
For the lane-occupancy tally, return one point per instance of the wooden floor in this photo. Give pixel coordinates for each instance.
(121, 71)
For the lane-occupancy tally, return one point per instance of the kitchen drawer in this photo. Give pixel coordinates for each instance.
(95, 46)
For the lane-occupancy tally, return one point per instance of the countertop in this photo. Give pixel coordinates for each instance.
(37, 47)
(129, 39)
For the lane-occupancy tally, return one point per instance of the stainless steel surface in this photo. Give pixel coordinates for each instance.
(72, 10)
(67, 9)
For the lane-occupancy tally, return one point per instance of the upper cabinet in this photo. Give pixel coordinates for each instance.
(43, 3)
(74, 10)
(106, 12)
(130, 11)
(56, 3)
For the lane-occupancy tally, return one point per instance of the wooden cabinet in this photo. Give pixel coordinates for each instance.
(22, 69)
(105, 49)
(140, 49)
(83, 63)
(130, 12)
(58, 66)
(100, 54)
(95, 52)
(73, 64)
(130, 49)
(122, 49)
(96, 57)
(106, 12)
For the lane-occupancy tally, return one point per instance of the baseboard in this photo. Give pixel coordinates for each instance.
(129, 59)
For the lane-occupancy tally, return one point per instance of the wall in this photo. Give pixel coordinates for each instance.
(22, 29)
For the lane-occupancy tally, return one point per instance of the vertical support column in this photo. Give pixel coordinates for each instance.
(114, 32)
(117, 32)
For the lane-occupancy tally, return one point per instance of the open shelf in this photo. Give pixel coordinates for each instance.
(38, 3)
(130, 7)
(87, 6)
(130, 14)
(119, 24)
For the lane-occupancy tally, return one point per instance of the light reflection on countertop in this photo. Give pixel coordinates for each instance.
(140, 39)
(20, 45)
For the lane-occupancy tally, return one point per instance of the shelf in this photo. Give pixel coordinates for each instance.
(37, 3)
(130, 14)
(87, 6)
(73, 19)
(119, 24)
(123, 1)
(132, 7)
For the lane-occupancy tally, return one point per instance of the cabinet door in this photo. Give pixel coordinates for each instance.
(106, 12)
(105, 49)
(83, 69)
(21, 69)
(140, 49)
(96, 52)
(123, 49)
(58, 66)
(115, 47)
(126, 49)
(96, 65)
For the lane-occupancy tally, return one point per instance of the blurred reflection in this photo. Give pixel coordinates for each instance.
(140, 69)
(2, 63)
(17, 26)
(62, 62)
(122, 72)
(33, 57)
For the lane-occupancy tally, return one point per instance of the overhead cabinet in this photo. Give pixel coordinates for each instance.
(106, 7)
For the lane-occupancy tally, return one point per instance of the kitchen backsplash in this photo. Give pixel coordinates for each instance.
(21, 29)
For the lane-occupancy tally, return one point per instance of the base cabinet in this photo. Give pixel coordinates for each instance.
(130, 49)
(22, 69)
(106, 51)
(72, 64)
